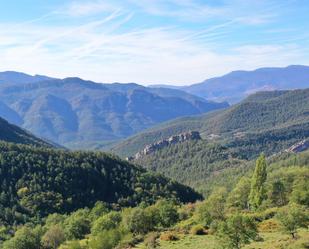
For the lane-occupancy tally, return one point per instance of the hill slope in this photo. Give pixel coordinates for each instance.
(82, 114)
(235, 86)
(278, 113)
(268, 122)
(14, 134)
(37, 181)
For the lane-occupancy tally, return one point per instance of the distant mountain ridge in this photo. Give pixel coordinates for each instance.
(18, 77)
(236, 85)
(83, 114)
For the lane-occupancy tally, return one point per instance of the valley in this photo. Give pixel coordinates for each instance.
(234, 177)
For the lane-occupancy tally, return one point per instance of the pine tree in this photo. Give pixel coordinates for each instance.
(258, 192)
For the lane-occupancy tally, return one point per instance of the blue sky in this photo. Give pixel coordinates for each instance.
(151, 41)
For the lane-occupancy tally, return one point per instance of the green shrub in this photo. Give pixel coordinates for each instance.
(106, 239)
(293, 217)
(237, 231)
(138, 221)
(106, 222)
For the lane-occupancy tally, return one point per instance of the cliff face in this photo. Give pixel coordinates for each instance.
(299, 147)
(192, 135)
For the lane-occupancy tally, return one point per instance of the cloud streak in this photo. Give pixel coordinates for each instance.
(105, 42)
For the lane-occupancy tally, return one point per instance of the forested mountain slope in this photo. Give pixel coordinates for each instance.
(36, 182)
(277, 117)
(84, 114)
(14, 134)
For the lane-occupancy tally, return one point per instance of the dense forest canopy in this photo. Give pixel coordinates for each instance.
(229, 217)
(39, 181)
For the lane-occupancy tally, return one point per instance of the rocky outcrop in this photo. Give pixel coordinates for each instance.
(299, 147)
(192, 135)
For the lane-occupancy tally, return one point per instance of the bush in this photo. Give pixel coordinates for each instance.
(168, 236)
(264, 215)
(270, 225)
(77, 225)
(198, 230)
(237, 231)
(106, 240)
(186, 211)
(25, 238)
(151, 240)
(106, 222)
(292, 217)
(71, 245)
(138, 221)
(185, 225)
(168, 213)
(53, 238)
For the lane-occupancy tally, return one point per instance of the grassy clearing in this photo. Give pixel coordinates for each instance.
(271, 240)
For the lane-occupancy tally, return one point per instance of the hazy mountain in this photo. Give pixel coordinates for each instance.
(271, 115)
(14, 134)
(17, 77)
(80, 114)
(237, 85)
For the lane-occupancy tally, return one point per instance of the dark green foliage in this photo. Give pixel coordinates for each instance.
(37, 182)
(237, 231)
(258, 191)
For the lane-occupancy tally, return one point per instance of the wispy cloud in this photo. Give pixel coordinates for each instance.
(110, 41)
(83, 8)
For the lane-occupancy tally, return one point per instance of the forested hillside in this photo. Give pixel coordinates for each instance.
(273, 119)
(36, 182)
(14, 134)
(266, 207)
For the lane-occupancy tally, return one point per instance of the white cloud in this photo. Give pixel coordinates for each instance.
(105, 50)
(83, 8)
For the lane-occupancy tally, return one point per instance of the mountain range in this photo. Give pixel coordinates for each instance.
(236, 85)
(82, 114)
(79, 114)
